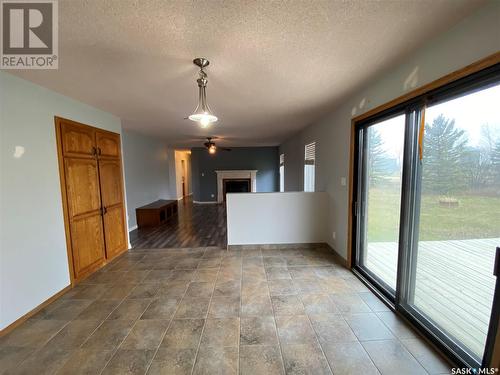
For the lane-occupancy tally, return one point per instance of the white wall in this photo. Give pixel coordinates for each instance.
(147, 176)
(34, 264)
(276, 218)
(476, 37)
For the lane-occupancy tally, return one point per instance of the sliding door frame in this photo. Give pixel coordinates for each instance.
(358, 208)
(461, 81)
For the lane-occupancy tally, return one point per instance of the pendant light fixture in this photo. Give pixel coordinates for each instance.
(202, 114)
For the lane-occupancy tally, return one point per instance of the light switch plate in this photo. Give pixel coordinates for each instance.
(343, 181)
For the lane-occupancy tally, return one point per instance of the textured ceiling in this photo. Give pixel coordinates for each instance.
(276, 66)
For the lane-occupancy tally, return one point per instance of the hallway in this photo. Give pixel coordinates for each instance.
(196, 225)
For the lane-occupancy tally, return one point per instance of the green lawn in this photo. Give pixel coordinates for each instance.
(475, 217)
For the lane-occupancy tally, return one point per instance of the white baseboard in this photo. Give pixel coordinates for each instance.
(206, 202)
(133, 228)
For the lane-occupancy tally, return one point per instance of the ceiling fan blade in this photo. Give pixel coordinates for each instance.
(225, 149)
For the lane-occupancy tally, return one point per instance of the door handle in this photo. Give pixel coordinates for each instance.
(99, 151)
(94, 151)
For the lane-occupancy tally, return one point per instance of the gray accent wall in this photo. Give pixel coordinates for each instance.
(264, 159)
(149, 171)
(474, 38)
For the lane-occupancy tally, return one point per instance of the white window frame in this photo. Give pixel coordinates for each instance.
(282, 172)
(309, 167)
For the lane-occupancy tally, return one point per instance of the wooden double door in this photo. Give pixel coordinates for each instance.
(93, 198)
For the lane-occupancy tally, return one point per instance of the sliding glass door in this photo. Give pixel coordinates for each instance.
(458, 223)
(379, 202)
(427, 211)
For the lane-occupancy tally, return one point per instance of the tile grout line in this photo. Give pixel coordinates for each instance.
(164, 333)
(317, 336)
(131, 328)
(275, 323)
(166, 330)
(36, 350)
(360, 342)
(399, 340)
(239, 314)
(97, 327)
(206, 316)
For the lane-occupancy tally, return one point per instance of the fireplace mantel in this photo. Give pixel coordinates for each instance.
(235, 174)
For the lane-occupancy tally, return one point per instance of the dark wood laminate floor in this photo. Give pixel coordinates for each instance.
(196, 225)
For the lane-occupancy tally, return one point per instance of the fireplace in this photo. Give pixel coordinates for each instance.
(236, 185)
(244, 180)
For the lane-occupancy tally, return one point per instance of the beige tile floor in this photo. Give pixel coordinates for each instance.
(213, 311)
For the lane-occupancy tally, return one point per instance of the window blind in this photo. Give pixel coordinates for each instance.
(310, 153)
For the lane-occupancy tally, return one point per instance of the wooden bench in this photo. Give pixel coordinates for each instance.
(155, 213)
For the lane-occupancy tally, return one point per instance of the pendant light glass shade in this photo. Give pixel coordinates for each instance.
(203, 114)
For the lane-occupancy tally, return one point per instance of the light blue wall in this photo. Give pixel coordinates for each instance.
(33, 258)
(148, 165)
(264, 159)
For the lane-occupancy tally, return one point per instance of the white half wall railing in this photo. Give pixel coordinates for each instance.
(276, 218)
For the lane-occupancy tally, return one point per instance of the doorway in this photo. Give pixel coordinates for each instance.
(183, 173)
(183, 178)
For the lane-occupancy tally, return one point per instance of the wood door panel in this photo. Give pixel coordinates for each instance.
(87, 242)
(77, 140)
(93, 198)
(82, 186)
(108, 144)
(114, 231)
(110, 174)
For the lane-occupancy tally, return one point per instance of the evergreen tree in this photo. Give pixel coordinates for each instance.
(376, 156)
(444, 147)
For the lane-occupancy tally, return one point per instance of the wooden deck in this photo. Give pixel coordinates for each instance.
(454, 284)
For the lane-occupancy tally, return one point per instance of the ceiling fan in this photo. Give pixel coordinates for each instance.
(211, 147)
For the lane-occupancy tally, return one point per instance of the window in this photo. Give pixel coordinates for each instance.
(282, 173)
(426, 210)
(309, 160)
